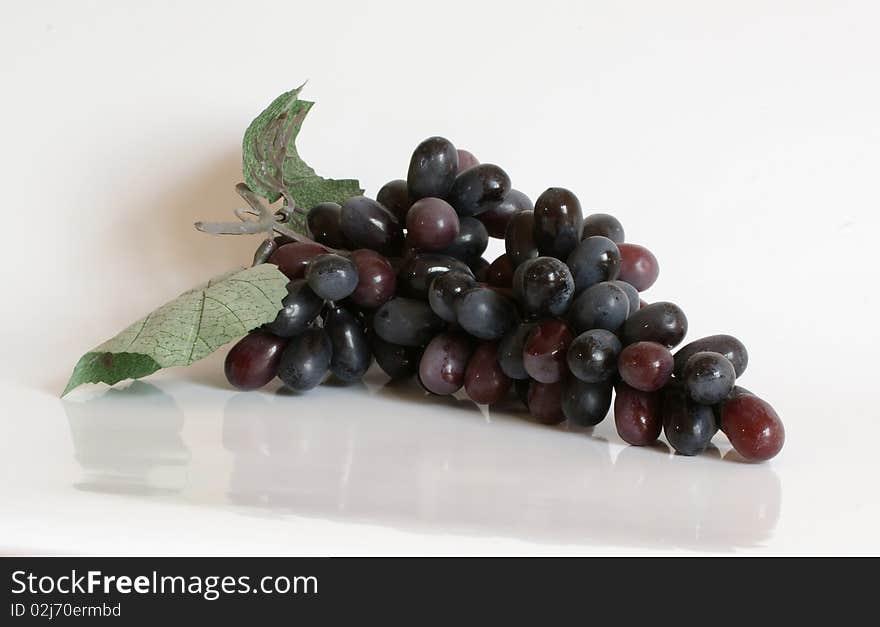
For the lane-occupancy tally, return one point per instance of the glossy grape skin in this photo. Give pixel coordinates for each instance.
(332, 277)
(394, 196)
(395, 360)
(497, 215)
(637, 415)
(605, 225)
(323, 221)
(708, 377)
(688, 426)
(519, 239)
(594, 260)
(753, 427)
(432, 169)
(485, 314)
(431, 225)
(406, 322)
(306, 360)
(635, 302)
(558, 222)
(645, 366)
(351, 350)
(445, 290)
(585, 404)
(418, 270)
(253, 361)
(546, 350)
(471, 241)
(638, 266)
(545, 402)
(510, 351)
(475, 188)
(442, 366)
(543, 286)
(367, 224)
(298, 309)
(293, 258)
(662, 322)
(601, 306)
(500, 272)
(466, 160)
(377, 279)
(592, 356)
(484, 380)
(726, 345)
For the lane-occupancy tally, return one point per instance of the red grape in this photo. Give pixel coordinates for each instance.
(646, 366)
(545, 351)
(638, 266)
(484, 381)
(753, 427)
(637, 415)
(253, 361)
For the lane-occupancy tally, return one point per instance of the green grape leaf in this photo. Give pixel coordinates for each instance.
(188, 328)
(272, 166)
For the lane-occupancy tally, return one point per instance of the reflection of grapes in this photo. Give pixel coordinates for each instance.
(558, 317)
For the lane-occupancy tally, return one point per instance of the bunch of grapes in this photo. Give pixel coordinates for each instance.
(557, 319)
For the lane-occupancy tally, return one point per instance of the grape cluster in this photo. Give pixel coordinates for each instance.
(557, 319)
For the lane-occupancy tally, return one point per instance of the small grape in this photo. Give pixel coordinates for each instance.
(594, 260)
(592, 355)
(632, 294)
(443, 364)
(544, 401)
(471, 241)
(646, 366)
(406, 322)
(585, 404)
(377, 279)
(367, 224)
(394, 196)
(638, 266)
(350, 348)
(604, 225)
(497, 215)
(753, 427)
(664, 323)
(432, 169)
(545, 351)
(418, 270)
(445, 290)
(431, 225)
(708, 377)
(254, 359)
(474, 189)
(485, 314)
(323, 221)
(637, 415)
(726, 345)
(298, 309)
(293, 258)
(601, 306)
(544, 286)
(688, 426)
(306, 360)
(484, 380)
(558, 222)
(510, 351)
(332, 277)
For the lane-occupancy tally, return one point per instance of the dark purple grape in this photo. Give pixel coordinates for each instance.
(484, 380)
(323, 221)
(500, 272)
(445, 290)
(519, 240)
(601, 306)
(510, 351)
(253, 361)
(485, 314)
(646, 366)
(545, 402)
(394, 196)
(708, 377)
(594, 260)
(637, 415)
(688, 426)
(638, 266)
(442, 366)
(431, 225)
(298, 309)
(474, 189)
(726, 345)
(395, 360)
(418, 270)
(604, 225)
(664, 323)
(545, 351)
(432, 169)
(332, 277)
(293, 258)
(466, 160)
(753, 427)
(351, 350)
(632, 294)
(377, 279)
(306, 360)
(497, 215)
(592, 356)
(406, 322)
(585, 404)
(558, 222)
(367, 224)
(544, 286)
(471, 241)
(480, 268)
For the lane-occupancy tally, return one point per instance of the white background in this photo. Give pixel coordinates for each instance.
(739, 140)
